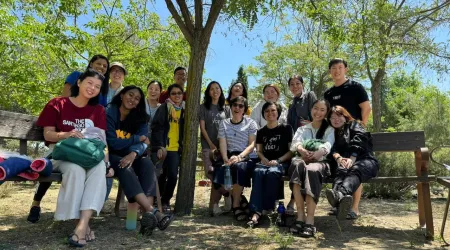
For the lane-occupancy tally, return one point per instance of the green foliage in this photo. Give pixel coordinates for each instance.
(42, 42)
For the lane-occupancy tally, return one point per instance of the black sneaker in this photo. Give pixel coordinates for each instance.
(34, 215)
(345, 205)
(148, 223)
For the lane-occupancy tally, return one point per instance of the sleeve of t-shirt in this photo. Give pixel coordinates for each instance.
(221, 133)
(259, 136)
(361, 94)
(252, 128)
(289, 133)
(49, 115)
(72, 78)
(202, 112)
(100, 118)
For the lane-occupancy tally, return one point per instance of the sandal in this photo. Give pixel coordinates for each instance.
(75, 243)
(148, 223)
(253, 223)
(308, 231)
(352, 216)
(239, 213)
(165, 221)
(297, 227)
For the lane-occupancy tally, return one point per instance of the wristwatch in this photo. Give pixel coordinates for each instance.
(107, 164)
(278, 161)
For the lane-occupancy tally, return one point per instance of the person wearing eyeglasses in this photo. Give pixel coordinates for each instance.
(166, 139)
(236, 142)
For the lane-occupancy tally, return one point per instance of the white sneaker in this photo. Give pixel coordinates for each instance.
(228, 203)
(216, 210)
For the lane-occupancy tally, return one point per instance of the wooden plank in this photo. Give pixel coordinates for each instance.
(19, 126)
(54, 177)
(389, 179)
(398, 141)
(23, 148)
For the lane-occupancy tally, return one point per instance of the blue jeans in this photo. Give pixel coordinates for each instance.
(109, 183)
(266, 185)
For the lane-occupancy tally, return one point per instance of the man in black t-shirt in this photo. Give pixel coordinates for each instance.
(353, 97)
(347, 93)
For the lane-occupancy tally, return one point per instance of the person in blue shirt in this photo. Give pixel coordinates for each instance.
(126, 134)
(99, 63)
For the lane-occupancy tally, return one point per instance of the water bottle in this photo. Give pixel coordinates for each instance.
(228, 183)
(281, 219)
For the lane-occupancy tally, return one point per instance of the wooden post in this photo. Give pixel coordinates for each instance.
(23, 147)
(423, 192)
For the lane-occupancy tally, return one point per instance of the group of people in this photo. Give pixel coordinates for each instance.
(144, 143)
(310, 141)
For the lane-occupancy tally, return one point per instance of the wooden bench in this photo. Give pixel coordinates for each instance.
(408, 142)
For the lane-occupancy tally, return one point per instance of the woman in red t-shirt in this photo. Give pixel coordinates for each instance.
(82, 190)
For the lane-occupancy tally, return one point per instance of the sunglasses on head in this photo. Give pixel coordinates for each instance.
(241, 106)
(176, 93)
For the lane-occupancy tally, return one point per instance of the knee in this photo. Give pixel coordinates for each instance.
(72, 169)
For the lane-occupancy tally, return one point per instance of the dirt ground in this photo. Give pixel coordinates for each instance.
(384, 224)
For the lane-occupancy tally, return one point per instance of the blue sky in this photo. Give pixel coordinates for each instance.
(228, 50)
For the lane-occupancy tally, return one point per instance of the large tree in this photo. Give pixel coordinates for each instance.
(196, 20)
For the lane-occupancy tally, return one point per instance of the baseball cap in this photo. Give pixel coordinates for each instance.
(120, 65)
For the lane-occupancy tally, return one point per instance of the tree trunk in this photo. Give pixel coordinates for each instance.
(376, 99)
(186, 185)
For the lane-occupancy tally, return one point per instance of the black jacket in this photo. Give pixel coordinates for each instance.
(160, 129)
(352, 138)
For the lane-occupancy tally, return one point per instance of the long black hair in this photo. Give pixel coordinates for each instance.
(137, 116)
(325, 124)
(75, 89)
(244, 91)
(207, 99)
(105, 85)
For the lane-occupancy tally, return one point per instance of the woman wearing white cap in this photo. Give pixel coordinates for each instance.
(117, 73)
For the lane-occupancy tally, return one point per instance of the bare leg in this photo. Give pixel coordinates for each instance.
(82, 226)
(299, 202)
(236, 192)
(310, 209)
(356, 198)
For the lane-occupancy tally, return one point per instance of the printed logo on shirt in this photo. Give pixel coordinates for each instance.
(337, 97)
(122, 134)
(79, 124)
(271, 143)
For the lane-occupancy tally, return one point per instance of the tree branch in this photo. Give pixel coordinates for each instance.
(188, 34)
(186, 15)
(420, 18)
(214, 12)
(198, 15)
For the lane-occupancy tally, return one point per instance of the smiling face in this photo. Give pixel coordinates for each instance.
(214, 91)
(154, 91)
(271, 113)
(319, 111)
(180, 77)
(100, 65)
(270, 94)
(237, 110)
(337, 120)
(131, 99)
(296, 87)
(338, 71)
(176, 95)
(117, 75)
(89, 87)
(237, 90)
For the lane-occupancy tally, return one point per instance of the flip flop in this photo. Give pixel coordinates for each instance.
(352, 216)
(75, 243)
(165, 221)
(90, 236)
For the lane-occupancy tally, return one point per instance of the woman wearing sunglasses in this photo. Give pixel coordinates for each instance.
(236, 142)
(167, 138)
